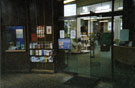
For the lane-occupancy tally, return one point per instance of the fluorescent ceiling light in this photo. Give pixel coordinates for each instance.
(84, 13)
(88, 18)
(68, 1)
(100, 11)
(104, 21)
(120, 8)
(103, 7)
(85, 9)
(103, 17)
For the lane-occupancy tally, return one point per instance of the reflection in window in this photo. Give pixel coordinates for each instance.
(14, 37)
(101, 7)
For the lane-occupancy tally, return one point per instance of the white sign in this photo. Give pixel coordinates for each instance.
(73, 34)
(62, 34)
(124, 35)
(48, 29)
(19, 33)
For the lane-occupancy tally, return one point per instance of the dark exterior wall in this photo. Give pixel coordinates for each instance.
(59, 25)
(14, 12)
(29, 13)
(0, 41)
(41, 13)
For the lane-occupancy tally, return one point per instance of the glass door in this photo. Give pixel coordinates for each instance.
(90, 53)
(71, 57)
(83, 35)
(100, 46)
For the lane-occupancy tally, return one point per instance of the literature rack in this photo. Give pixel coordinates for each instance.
(41, 51)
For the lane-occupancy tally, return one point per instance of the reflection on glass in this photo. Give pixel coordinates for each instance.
(70, 10)
(101, 7)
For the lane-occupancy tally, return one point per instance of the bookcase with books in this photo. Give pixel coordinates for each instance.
(41, 49)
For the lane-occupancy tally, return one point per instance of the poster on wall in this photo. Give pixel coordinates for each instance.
(124, 35)
(19, 38)
(64, 43)
(62, 35)
(48, 29)
(19, 33)
(34, 37)
(73, 34)
(40, 31)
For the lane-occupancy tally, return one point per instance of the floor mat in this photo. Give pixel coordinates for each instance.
(82, 82)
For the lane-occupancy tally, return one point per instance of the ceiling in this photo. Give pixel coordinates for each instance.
(88, 2)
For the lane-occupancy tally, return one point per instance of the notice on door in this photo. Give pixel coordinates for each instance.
(73, 34)
(62, 35)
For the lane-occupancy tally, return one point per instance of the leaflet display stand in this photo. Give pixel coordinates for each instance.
(41, 51)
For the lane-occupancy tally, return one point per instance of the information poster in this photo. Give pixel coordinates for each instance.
(40, 31)
(62, 35)
(19, 33)
(34, 37)
(48, 29)
(73, 34)
(64, 43)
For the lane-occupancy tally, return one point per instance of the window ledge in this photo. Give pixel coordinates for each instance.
(15, 50)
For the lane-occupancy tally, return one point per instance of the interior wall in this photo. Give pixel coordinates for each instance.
(128, 16)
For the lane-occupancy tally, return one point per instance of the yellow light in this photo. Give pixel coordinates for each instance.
(68, 1)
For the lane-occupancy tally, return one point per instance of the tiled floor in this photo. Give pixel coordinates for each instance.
(100, 66)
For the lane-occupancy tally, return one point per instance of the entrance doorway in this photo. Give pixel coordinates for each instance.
(90, 53)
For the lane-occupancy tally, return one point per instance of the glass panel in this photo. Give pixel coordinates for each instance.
(123, 56)
(14, 38)
(96, 8)
(118, 5)
(68, 11)
(83, 34)
(71, 57)
(100, 41)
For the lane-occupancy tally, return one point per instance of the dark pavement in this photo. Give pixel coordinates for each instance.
(36, 80)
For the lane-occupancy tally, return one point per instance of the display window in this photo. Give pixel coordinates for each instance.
(15, 38)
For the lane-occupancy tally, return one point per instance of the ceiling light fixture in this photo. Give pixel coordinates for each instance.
(104, 21)
(84, 13)
(100, 11)
(120, 8)
(68, 1)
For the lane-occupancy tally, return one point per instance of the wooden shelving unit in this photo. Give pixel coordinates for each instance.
(41, 51)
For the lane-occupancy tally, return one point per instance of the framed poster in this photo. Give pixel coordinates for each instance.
(40, 31)
(48, 29)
